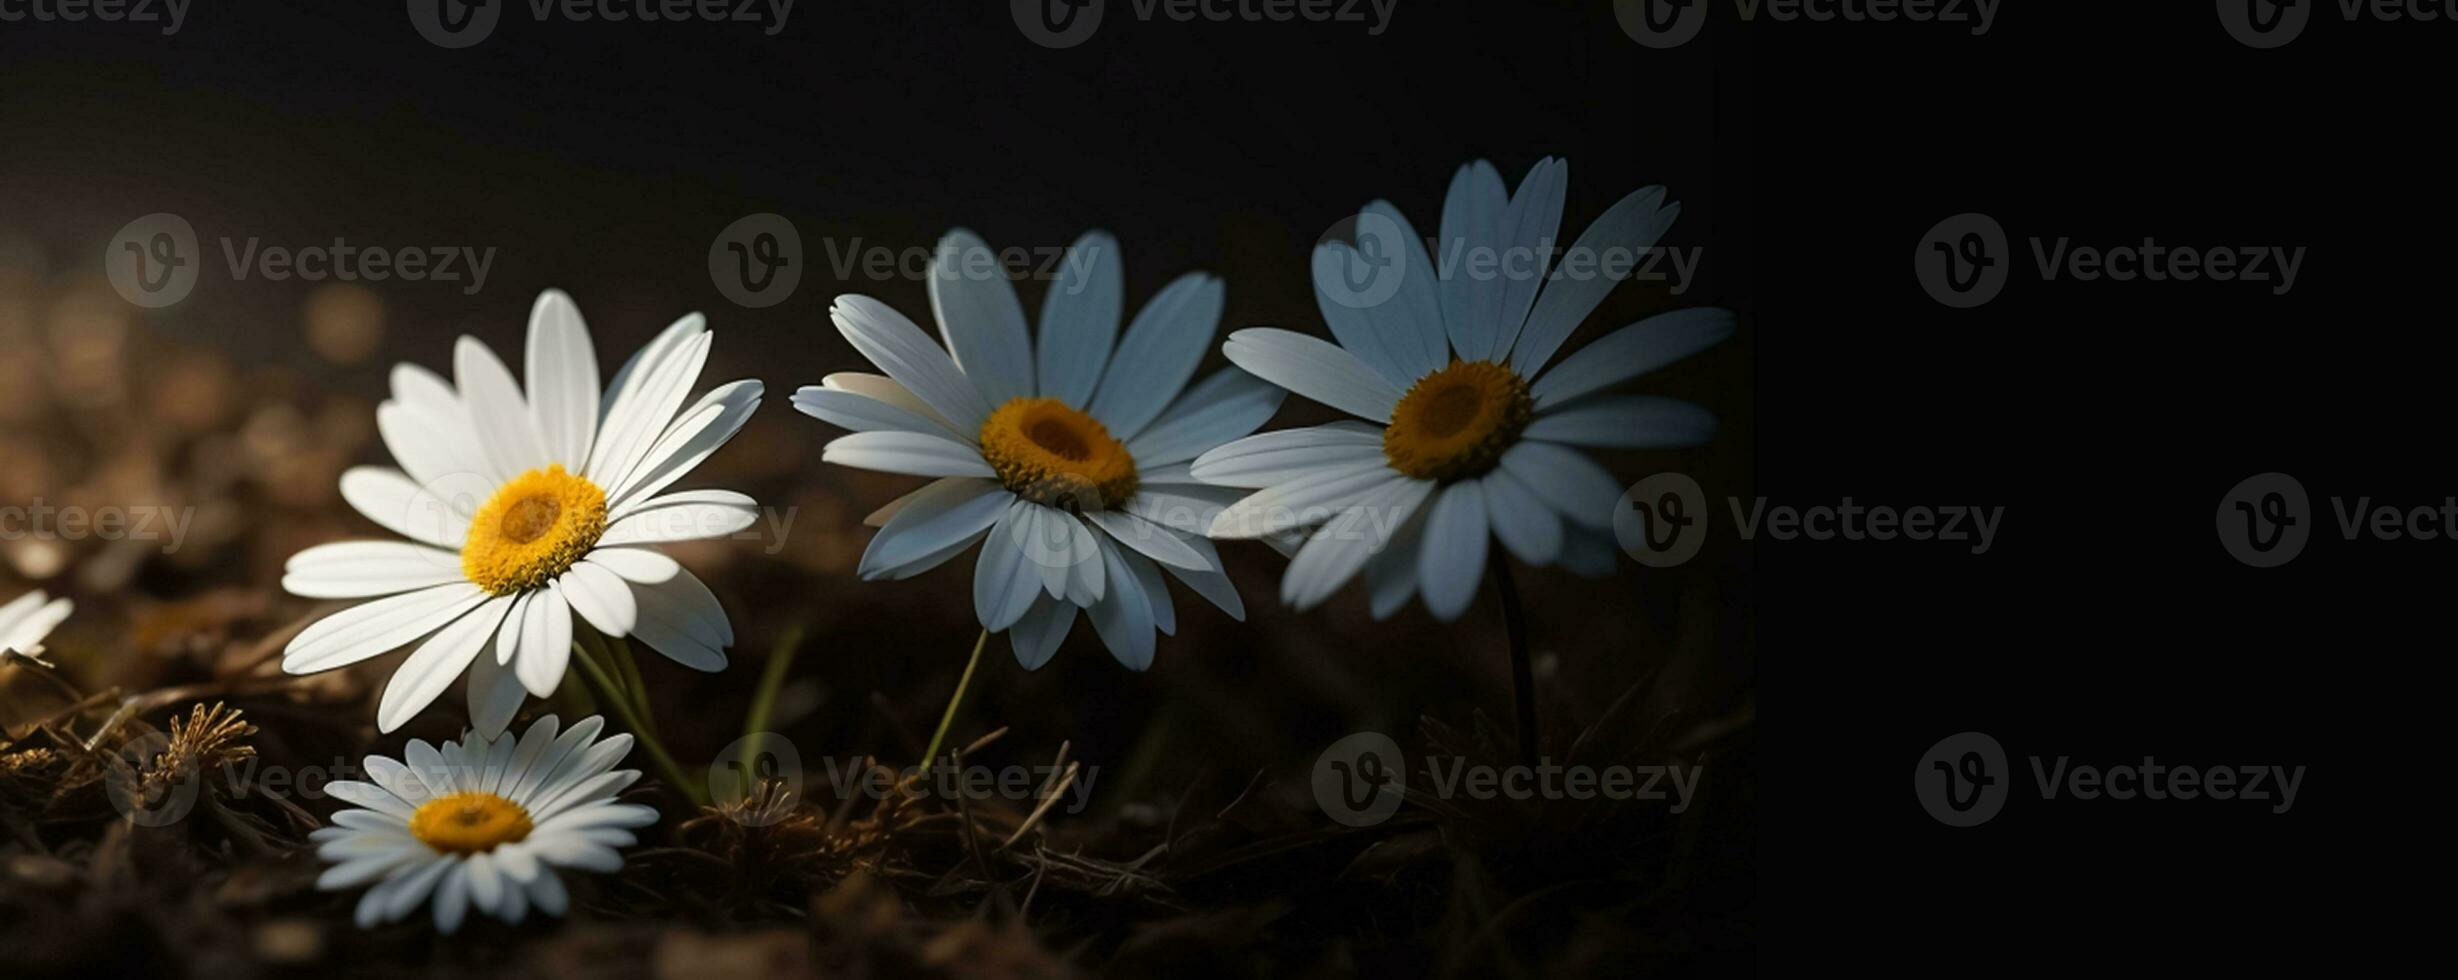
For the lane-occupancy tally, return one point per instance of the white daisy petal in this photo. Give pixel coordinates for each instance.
(1570, 482)
(697, 434)
(436, 514)
(1210, 583)
(601, 597)
(682, 621)
(1079, 319)
(508, 637)
(1159, 352)
(687, 515)
(1525, 525)
(1004, 581)
(907, 355)
(1399, 335)
(1313, 369)
(640, 566)
(1038, 634)
(1274, 457)
(369, 795)
(980, 317)
(1123, 617)
(362, 569)
(1632, 351)
(937, 516)
(1391, 575)
(495, 692)
(880, 387)
(1341, 547)
(1188, 510)
(377, 627)
(1475, 229)
(437, 662)
(451, 902)
(1156, 591)
(498, 413)
(863, 413)
(1304, 501)
(430, 445)
(1453, 555)
(646, 396)
(1625, 422)
(562, 371)
(1228, 405)
(546, 643)
(1535, 220)
(1154, 541)
(1629, 228)
(548, 894)
(31, 626)
(909, 453)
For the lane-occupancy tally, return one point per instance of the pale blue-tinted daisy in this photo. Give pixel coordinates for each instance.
(1466, 435)
(26, 620)
(481, 823)
(523, 510)
(1065, 459)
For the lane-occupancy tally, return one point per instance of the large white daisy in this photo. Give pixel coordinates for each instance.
(524, 509)
(1466, 434)
(481, 822)
(26, 620)
(1065, 459)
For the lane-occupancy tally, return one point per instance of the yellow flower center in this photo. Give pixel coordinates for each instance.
(1049, 453)
(1456, 422)
(532, 530)
(469, 823)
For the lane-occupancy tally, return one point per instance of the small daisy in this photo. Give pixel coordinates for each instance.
(524, 509)
(26, 620)
(1469, 434)
(481, 822)
(1066, 459)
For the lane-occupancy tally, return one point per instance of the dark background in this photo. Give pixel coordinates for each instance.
(2107, 418)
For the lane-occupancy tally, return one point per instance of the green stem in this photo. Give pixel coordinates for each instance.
(764, 699)
(667, 768)
(1523, 679)
(937, 738)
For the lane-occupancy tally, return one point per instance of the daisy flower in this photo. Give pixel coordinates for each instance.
(524, 509)
(481, 822)
(1066, 459)
(27, 619)
(1466, 434)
